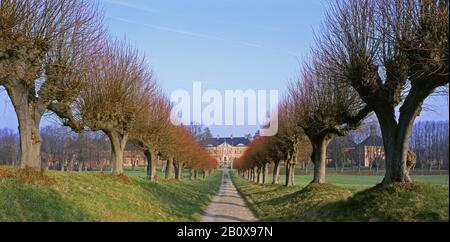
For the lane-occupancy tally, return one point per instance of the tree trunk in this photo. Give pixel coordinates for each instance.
(71, 164)
(319, 156)
(175, 164)
(191, 174)
(276, 173)
(258, 175)
(265, 173)
(154, 172)
(118, 143)
(152, 163)
(169, 169)
(261, 175)
(291, 162)
(396, 135)
(29, 118)
(290, 172)
(179, 171)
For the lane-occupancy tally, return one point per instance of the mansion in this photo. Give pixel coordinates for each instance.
(226, 150)
(369, 153)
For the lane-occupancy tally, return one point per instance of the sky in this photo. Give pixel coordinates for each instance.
(224, 44)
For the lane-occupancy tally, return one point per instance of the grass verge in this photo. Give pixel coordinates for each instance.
(327, 202)
(27, 195)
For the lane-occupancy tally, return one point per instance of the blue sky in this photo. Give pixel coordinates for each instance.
(225, 44)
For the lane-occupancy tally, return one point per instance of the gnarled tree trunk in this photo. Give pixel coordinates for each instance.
(290, 172)
(152, 163)
(179, 170)
(276, 173)
(29, 116)
(192, 174)
(258, 175)
(265, 173)
(118, 143)
(169, 169)
(253, 175)
(319, 156)
(396, 135)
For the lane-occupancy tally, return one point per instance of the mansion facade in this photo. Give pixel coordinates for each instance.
(369, 153)
(226, 150)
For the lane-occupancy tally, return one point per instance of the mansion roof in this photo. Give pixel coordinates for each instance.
(372, 140)
(235, 141)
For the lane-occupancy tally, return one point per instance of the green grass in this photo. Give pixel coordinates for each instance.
(358, 183)
(351, 199)
(140, 172)
(27, 195)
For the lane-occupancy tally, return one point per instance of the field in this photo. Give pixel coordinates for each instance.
(357, 183)
(27, 195)
(140, 172)
(349, 198)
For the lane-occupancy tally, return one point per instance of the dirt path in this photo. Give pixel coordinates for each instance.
(228, 205)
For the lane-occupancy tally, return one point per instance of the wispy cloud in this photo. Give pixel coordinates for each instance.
(220, 21)
(133, 6)
(203, 36)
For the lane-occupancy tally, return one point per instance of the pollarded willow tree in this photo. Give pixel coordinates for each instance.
(180, 149)
(291, 139)
(45, 50)
(258, 158)
(288, 145)
(119, 91)
(153, 131)
(186, 152)
(324, 110)
(394, 54)
(168, 150)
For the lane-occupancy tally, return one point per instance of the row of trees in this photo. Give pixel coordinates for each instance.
(369, 57)
(430, 143)
(61, 148)
(56, 56)
(8, 147)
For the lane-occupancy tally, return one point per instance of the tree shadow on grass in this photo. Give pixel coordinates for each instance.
(398, 202)
(308, 204)
(394, 203)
